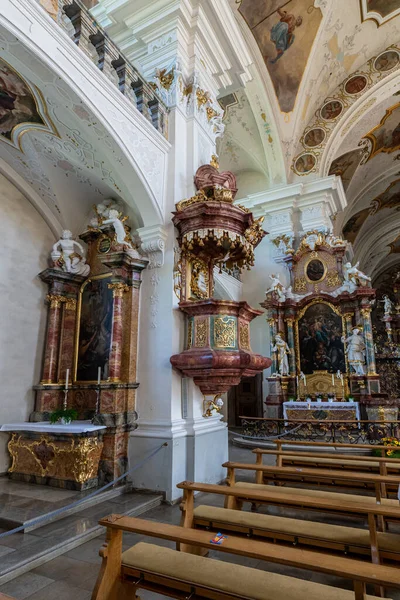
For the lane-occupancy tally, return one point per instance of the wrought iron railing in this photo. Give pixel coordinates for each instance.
(91, 38)
(350, 432)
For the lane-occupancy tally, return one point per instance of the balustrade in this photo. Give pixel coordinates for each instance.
(90, 37)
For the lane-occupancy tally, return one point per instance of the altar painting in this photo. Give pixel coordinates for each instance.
(319, 338)
(95, 329)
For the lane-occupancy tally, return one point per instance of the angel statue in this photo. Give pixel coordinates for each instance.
(282, 350)
(354, 276)
(388, 305)
(114, 219)
(65, 257)
(355, 350)
(277, 287)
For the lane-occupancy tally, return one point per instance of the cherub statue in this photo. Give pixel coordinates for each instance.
(388, 305)
(283, 350)
(355, 350)
(334, 240)
(114, 219)
(355, 276)
(277, 287)
(102, 212)
(65, 257)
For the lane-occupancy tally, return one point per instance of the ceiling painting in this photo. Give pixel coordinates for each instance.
(305, 163)
(385, 137)
(346, 165)
(285, 33)
(395, 246)
(22, 107)
(354, 224)
(379, 11)
(389, 199)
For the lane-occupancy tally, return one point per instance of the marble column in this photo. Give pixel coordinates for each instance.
(349, 322)
(67, 338)
(369, 342)
(49, 374)
(290, 341)
(115, 362)
(273, 330)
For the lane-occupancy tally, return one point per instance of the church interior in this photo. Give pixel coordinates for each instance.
(200, 290)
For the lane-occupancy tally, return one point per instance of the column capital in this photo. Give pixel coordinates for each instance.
(118, 289)
(152, 246)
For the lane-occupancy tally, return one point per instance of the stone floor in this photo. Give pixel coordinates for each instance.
(72, 575)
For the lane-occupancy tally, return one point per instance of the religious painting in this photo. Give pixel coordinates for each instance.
(21, 107)
(390, 198)
(95, 329)
(315, 270)
(386, 61)
(331, 110)
(379, 11)
(355, 85)
(385, 137)
(319, 336)
(285, 32)
(395, 246)
(304, 164)
(314, 137)
(354, 224)
(346, 165)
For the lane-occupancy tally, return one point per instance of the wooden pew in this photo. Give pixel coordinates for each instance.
(187, 576)
(295, 531)
(341, 445)
(317, 476)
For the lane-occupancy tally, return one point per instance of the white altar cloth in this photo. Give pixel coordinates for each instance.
(331, 406)
(47, 427)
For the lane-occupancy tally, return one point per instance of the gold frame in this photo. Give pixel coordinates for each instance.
(296, 328)
(78, 325)
(365, 17)
(48, 125)
(325, 270)
(371, 137)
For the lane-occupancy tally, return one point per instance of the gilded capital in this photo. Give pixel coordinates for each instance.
(118, 289)
(55, 301)
(365, 312)
(348, 316)
(271, 322)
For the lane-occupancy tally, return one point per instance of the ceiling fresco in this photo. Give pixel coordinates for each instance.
(385, 137)
(379, 11)
(346, 165)
(285, 33)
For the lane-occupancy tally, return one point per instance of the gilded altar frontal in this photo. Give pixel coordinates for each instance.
(200, 285)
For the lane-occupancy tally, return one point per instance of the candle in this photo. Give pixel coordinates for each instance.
(333, 381)
(98, 375)
(66, 379)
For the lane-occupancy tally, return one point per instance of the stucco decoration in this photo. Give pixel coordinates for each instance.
(285, 33)
(385, 137)
(22, 107)
(379, 11)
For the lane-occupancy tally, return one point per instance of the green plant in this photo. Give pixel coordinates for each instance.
(349, 397)
(291, 399)
(68, 414)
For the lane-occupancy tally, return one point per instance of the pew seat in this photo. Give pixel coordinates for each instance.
(345, 464)
(210, 578)
(327, 495)
(297, 531)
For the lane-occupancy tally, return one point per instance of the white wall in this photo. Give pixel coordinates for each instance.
(25, 243)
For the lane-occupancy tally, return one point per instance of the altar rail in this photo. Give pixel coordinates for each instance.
(91, 38)
(330, 431)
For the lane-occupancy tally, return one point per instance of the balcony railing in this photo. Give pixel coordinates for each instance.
(348, 432)
(91, 38)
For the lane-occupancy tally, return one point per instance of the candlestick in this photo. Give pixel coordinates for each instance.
(98, 375)
(65, 403)
(98, 390)
(66, 379)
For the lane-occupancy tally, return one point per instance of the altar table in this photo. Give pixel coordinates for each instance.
(66, 456)
(322, 411)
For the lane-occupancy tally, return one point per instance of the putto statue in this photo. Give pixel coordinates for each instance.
(109, 213)
(277, 287)
(354, 277)
(117, 221)
(65, 258)
(355, 350)
(388, 305)
(282, 350)
(334, 241)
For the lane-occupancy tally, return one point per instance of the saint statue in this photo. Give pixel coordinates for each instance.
(65, 257)
(282, 350)
(354, 276)
(355, 350)
(277, 287)
(388, 305)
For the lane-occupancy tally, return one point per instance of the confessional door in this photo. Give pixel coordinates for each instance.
(245, 400)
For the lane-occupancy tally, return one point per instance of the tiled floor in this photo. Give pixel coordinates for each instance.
(72, 575)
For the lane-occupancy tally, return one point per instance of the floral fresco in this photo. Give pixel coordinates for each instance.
(285, 33)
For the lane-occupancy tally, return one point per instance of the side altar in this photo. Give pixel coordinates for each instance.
(320, 329)
(89, 363)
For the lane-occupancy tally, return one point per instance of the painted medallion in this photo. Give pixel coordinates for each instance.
(386, 61)
(314, 137)
(355, 84)
(331, 110)
(305, 164)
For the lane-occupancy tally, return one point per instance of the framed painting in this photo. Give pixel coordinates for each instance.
(380, 11)
(385, 137)
(94, 335)
(319, 331)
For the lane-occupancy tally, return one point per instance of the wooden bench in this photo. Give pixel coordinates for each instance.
(318, 476)
(332, 445)
(187, 576)
(349, 540)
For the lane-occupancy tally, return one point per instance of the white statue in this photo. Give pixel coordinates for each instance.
(114, 219)
(355, 350)
(65, 257)
(388, 305)
(354, 276)
(335, 241)
(282, 349)
(277, 287)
